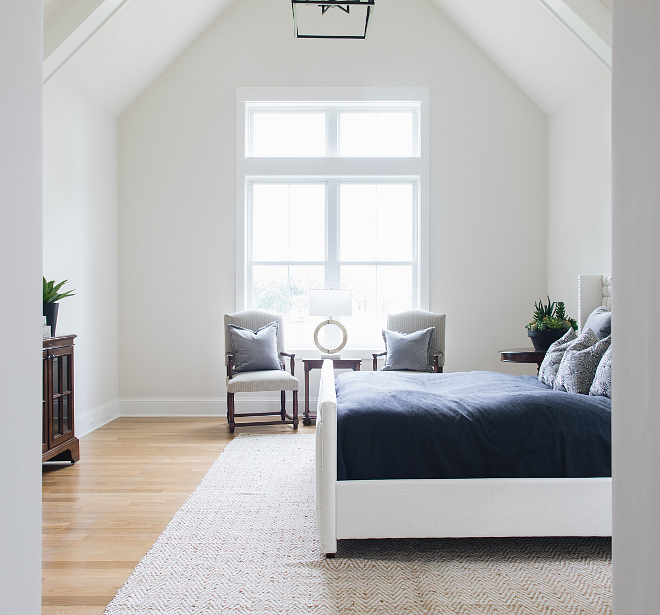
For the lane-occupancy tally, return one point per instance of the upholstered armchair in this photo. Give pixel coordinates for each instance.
(413, 321)
(254, 356)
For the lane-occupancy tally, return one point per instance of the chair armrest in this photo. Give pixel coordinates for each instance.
(437, 368)
(375, 355)
(292, 358)
(230, 365)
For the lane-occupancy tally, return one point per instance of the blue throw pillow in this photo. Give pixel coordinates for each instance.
(578, 367)
(408, 351)
(254, 351)
(552, 360)
(570, 366)
(602, 384)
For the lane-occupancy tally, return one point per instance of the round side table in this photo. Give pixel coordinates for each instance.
(523, 355)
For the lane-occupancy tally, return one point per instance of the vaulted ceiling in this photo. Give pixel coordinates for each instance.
(529, 43)
(114, 49)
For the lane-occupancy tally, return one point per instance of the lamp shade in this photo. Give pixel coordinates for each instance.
(332, 18)
(330, 302)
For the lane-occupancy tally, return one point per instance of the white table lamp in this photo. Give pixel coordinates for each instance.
(330, 302)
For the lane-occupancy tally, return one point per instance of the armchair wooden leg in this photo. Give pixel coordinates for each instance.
(283, 405)
(295, 409)
(230, 412)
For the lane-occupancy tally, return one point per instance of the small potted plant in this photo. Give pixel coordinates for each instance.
(549, 324)
(51, 296)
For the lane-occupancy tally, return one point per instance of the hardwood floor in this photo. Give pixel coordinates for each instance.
(101, 515)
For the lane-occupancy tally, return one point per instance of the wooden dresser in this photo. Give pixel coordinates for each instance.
(59, 442)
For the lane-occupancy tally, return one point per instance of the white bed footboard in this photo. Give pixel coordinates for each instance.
(474, 507)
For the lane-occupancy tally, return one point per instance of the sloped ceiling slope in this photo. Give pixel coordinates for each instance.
(51, 7)
(134, 46)
(529, 44)
(123, 56)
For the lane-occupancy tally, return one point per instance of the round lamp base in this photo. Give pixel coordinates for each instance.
(330, 351)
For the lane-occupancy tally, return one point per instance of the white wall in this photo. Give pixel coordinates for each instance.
(579, 190)
(636, 270)
(20, 322)
(80, 241)
(177, 187)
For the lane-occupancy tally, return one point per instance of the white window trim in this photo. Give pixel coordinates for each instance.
(309, 168)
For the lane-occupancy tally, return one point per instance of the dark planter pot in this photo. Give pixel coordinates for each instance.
(543, 339)
(50, 312)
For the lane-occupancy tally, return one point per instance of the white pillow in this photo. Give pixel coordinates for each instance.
(602, 384)
(578, 367)
(552, 359)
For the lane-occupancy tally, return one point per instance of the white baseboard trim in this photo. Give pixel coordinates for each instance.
(180, 407)
(97, 417)
(204, 406)
(170, 406)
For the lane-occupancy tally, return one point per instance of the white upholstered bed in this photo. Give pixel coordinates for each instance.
(425, 508)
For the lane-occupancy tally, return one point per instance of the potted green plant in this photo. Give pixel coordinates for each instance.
(549, 323)
(51, 297)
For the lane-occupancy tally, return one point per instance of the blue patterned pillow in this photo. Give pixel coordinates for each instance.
(584, 340)
(552, 359)
(578, 367)
(602, 384)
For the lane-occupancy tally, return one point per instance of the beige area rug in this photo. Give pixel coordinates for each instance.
(245, 542)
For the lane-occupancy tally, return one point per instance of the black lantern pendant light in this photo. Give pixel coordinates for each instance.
(332, 18)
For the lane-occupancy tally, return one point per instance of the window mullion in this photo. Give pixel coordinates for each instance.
(332, 134)
(417, 233)
(248, 245)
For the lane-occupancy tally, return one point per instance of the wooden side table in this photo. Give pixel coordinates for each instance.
(523, 355)
(311, 364)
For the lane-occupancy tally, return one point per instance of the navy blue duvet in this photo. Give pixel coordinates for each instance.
(467, 425)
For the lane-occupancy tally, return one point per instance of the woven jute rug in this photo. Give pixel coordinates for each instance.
(245, 542)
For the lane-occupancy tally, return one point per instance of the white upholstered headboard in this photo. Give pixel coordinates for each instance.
(593, 291)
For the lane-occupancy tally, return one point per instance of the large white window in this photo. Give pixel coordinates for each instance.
(334, 197)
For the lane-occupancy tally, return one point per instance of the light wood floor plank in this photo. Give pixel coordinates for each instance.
(102, 514)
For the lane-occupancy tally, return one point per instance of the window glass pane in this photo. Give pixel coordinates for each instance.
(270, 222)
(288, 134)
(357, 221)
(394, 283)
(285, 290)
(307, 222)
(303, 278)
(378, 290)
(300, 325)
(288, 222)
(361, 326)
(376, 222)
(394, 222)
(377, 134)
(270, 288)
